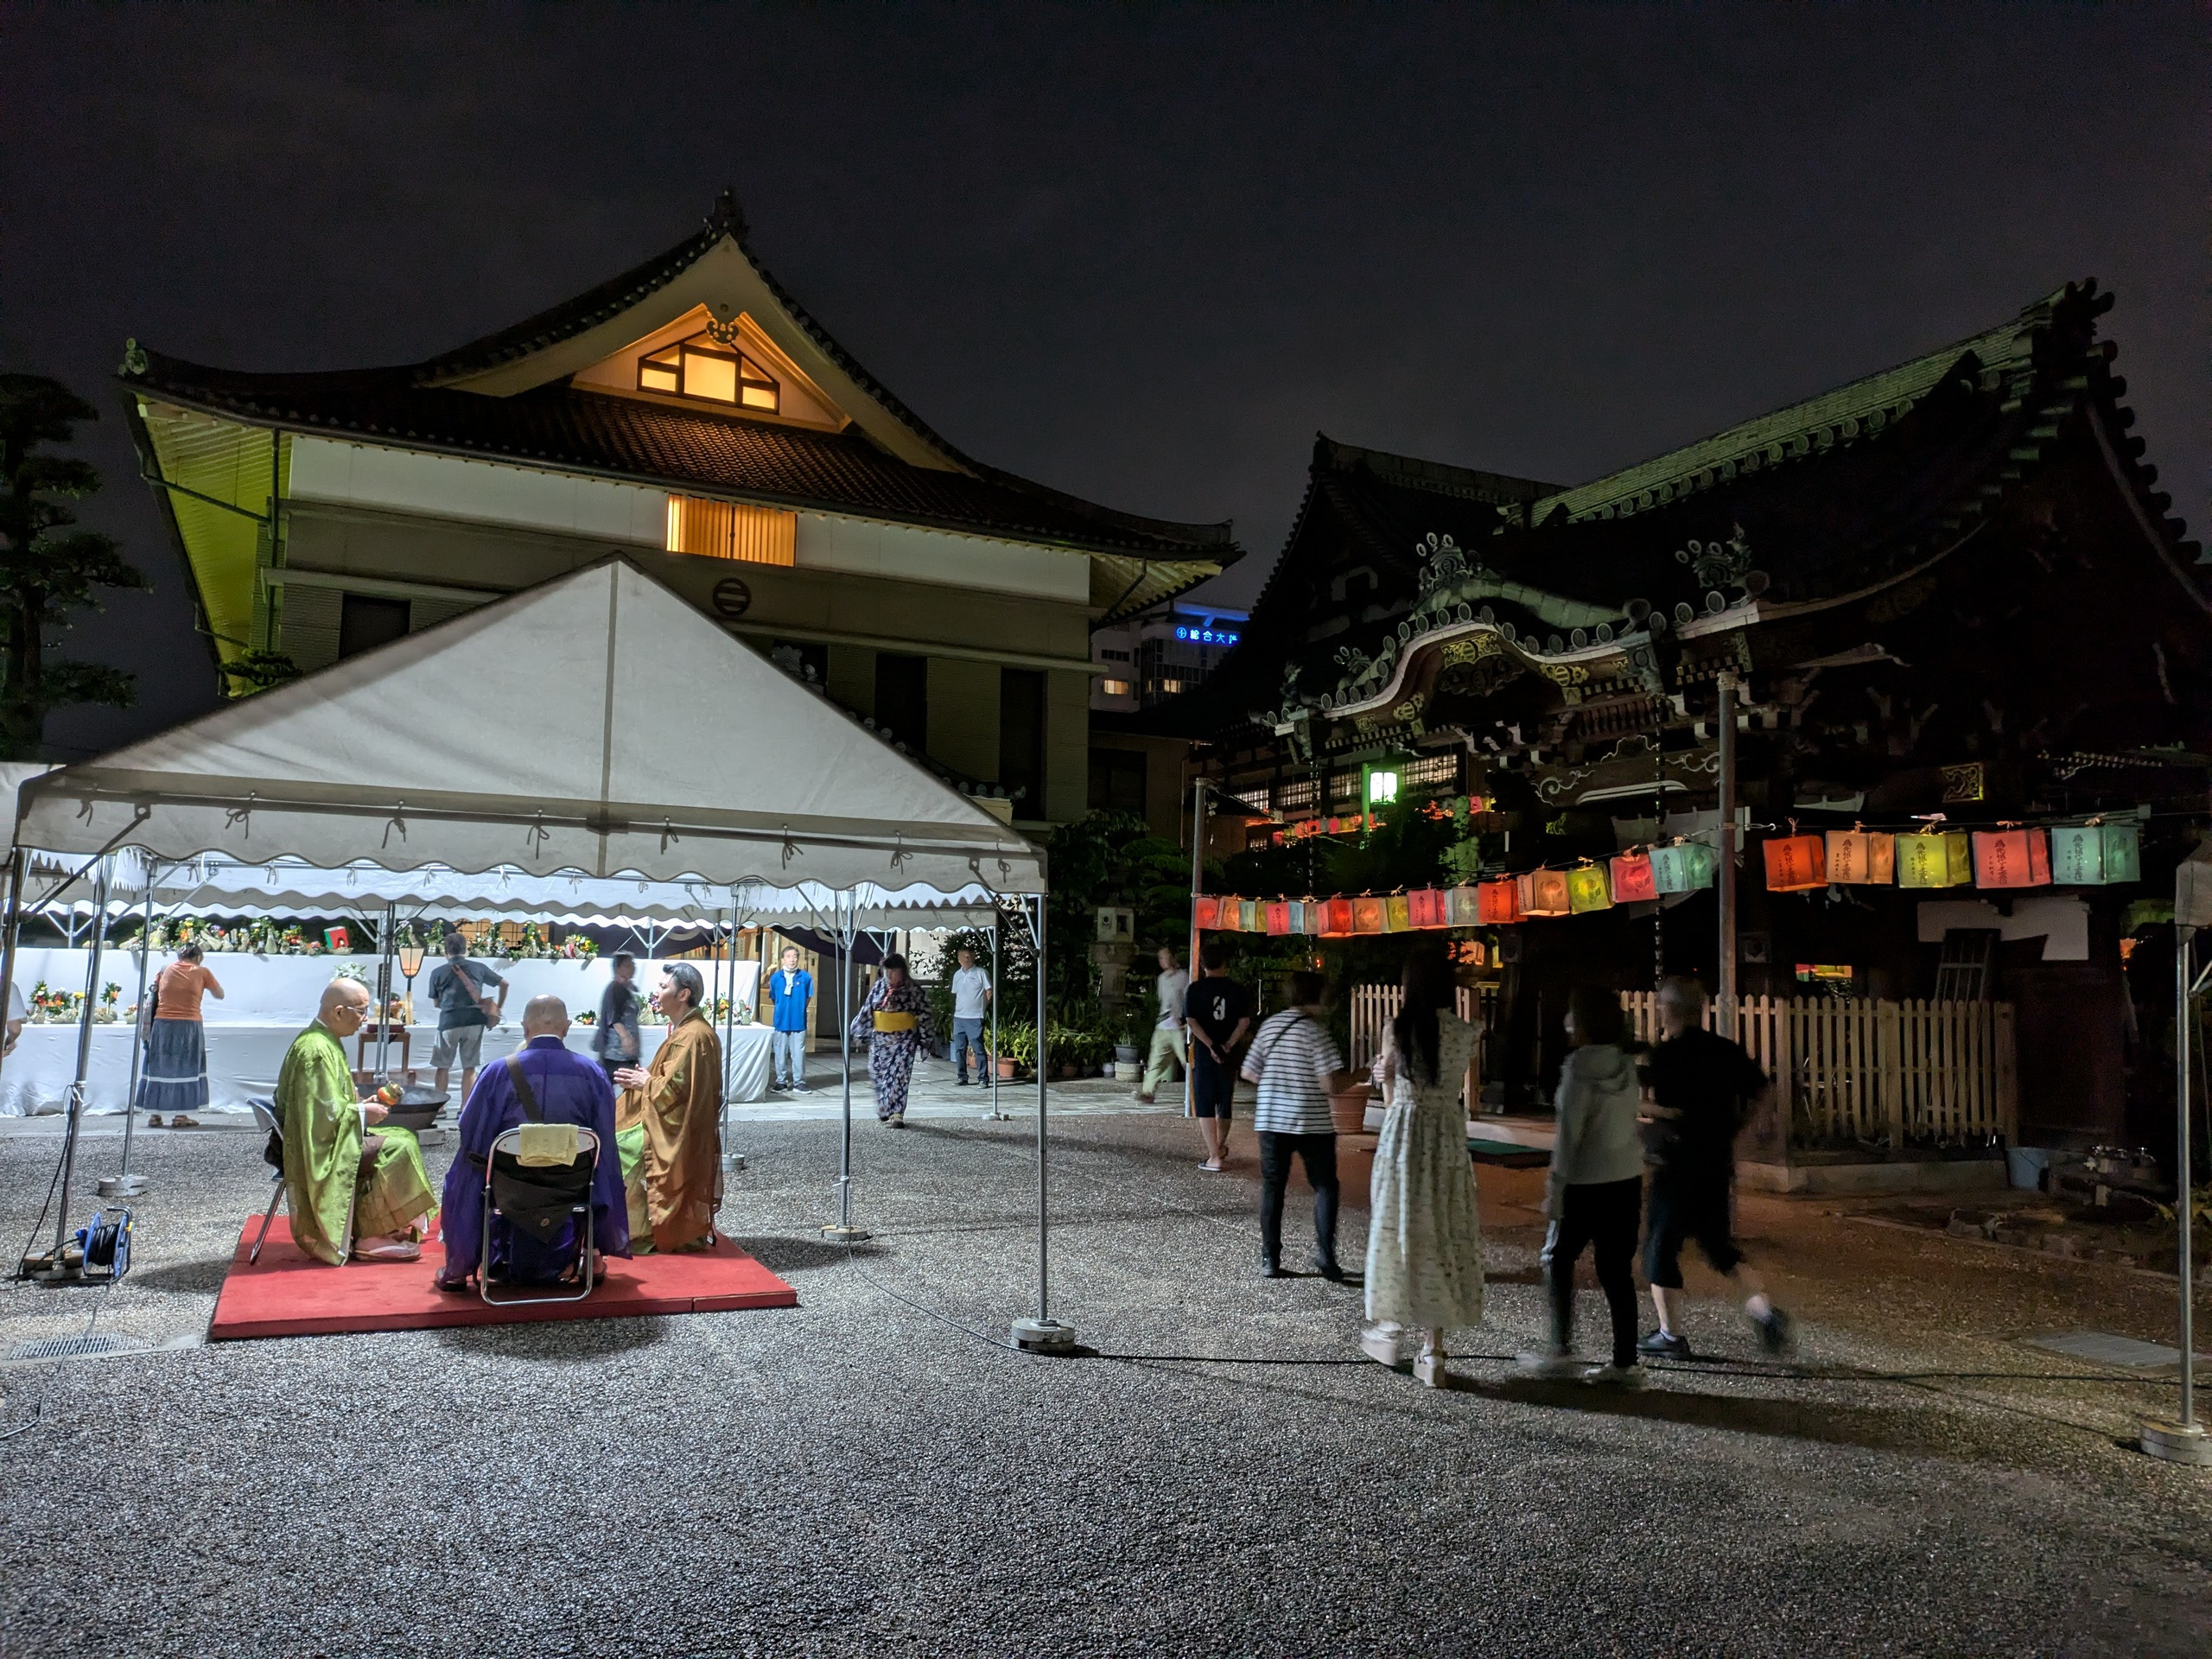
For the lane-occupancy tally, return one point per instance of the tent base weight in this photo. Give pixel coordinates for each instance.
(841, 1235)
(2175, 1443)
(1043, 1336)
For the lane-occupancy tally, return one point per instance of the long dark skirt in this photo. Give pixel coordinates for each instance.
(175, 1078)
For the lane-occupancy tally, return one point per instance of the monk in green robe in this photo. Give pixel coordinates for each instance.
(668, 1123)
(333, 1165)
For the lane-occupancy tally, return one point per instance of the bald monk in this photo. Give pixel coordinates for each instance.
(331, 1159)
(669, 1125)
(565, 1087)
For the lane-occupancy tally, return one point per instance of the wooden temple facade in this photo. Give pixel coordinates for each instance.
(1950, 588)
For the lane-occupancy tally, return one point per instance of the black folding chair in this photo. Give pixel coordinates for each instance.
(272, 1152)
(538, 1200)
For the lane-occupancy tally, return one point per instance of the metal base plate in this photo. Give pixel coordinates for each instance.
(1043, 1336)
(733, 1162)
(837, 1235)
(123, 1187)
(2172, 1443)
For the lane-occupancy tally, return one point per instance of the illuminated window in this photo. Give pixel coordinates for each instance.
(729, 530)
(698, 368)
(1115, 688)
(1382, 788)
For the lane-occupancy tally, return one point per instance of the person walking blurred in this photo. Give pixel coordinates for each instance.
(1424, 1232)
(1703, 1087)
(890, 1022)
(1217, 1013)
(1167, 1039)
(1295, 1062)
(615, 1039)
(1595, 1194)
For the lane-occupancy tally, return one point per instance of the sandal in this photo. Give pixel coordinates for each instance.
(181, 1121)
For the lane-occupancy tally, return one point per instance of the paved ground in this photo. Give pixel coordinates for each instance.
(872, 1472)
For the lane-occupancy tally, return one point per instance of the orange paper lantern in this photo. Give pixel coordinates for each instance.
(2009, 857)
(1796, 863)
(1498, 901)
(1336, 918)
(1205, 910)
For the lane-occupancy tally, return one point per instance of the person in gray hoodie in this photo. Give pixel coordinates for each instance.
(1595, 1196)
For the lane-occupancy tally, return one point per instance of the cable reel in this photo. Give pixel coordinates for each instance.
(104, 1245)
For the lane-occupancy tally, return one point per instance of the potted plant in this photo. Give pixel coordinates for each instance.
(1017, 1048)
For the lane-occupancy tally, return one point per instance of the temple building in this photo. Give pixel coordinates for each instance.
(690, 415)
(1949, 588)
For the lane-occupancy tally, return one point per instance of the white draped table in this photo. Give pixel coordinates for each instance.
(268, 999)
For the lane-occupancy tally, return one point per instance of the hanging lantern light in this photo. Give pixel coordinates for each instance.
(1633, 881)
(1429, 907)
(1682, 866)
(1796, 863)
(1397, 914)
(1274, 916)
(1206, 911)
(2095, 853)
(1466, 907)
(1934, 858)
(1367, 914)
(1861, 857)
(1498, 902)
(2011, 857)
(1543, 892)
(1587, 888)
(1336, 919)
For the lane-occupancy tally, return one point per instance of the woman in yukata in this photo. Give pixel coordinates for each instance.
(890, 1022)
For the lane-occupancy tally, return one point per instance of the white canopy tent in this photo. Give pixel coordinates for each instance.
(580, 726)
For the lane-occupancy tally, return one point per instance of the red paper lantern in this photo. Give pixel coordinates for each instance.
(1206, 911)
(1796, 863)
(1277, 914)
(1498, 901)
(1633, 881)
(1336, 918)
(1429, 907)
(2009, 857)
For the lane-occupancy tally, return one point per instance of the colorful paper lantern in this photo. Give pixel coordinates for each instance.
(1336, 919)
(1429, 907)
(2010, 856)
(1248, 919)
(1936, 858)
(1466, 905)
(1587, 888)
(1682, 866)
(1633, 882)
(1397, 914)
(1205, 910)
(1862, 857)
(1498, 901)
(1274, 916)
(1367, 914)
(2095, 855)
(1543, 892)
(1796, 863)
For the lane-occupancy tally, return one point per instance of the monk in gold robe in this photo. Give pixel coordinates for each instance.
(668, 1123)
(346, 1187)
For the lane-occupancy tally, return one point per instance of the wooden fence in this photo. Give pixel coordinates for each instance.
(1859, 1072)
(1867, 1073)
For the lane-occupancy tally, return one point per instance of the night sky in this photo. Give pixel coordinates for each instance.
(1142, 254)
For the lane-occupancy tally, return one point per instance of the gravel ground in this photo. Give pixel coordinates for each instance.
(872, 1472)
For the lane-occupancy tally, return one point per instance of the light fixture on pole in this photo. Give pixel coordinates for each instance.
(411, 963)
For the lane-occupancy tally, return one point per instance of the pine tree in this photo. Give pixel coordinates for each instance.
(47, 569)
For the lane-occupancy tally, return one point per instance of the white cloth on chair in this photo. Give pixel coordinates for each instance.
(539, 1145)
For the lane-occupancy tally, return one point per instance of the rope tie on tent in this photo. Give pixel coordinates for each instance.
(241, 817)
(396, 821)
(537, 834)
(791, 849)
(668, 833)
(900, 856)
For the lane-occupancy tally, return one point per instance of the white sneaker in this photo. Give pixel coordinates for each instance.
(1560, 1364)
(1615, 1377)
(1383, 1347)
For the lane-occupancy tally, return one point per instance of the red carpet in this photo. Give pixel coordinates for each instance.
(288, 1293)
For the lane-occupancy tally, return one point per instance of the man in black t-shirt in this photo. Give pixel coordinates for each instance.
(1218, 1012)
(1702, 1087)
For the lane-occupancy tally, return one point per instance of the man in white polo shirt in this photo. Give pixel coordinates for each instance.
(1297, 1066)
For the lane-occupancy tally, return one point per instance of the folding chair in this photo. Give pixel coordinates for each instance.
(538, 1199)
(272, 1152)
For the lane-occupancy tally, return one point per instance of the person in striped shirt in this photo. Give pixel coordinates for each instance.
(1297, 1066)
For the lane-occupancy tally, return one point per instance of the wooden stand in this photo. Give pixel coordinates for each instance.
(363, 1074)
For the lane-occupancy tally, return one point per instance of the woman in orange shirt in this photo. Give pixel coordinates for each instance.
(175, 1078)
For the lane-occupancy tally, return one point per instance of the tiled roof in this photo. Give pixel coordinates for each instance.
(564, 427)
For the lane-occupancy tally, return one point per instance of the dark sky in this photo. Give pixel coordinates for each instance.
(1138, 253)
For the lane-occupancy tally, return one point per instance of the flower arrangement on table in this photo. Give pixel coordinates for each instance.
(106, 1014)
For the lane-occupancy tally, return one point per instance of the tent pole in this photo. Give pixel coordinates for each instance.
(729, 1020)
(2183, 1441)
(383, 993)
(997, 1116)
(1191, 968)
(1725, 891)
(125, 1184)
(845, 907)
(16, 861)
(1043, 1334)
(84, 1066)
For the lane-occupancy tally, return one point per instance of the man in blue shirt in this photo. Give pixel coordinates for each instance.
(791, 988)
(568, 1088)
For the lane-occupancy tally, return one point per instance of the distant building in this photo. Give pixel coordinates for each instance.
(690, 415)
(1160, 653)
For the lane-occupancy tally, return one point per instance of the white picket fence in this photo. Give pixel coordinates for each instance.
(1860, 1072)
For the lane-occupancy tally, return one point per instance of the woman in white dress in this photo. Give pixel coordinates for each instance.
(1424, 1238)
